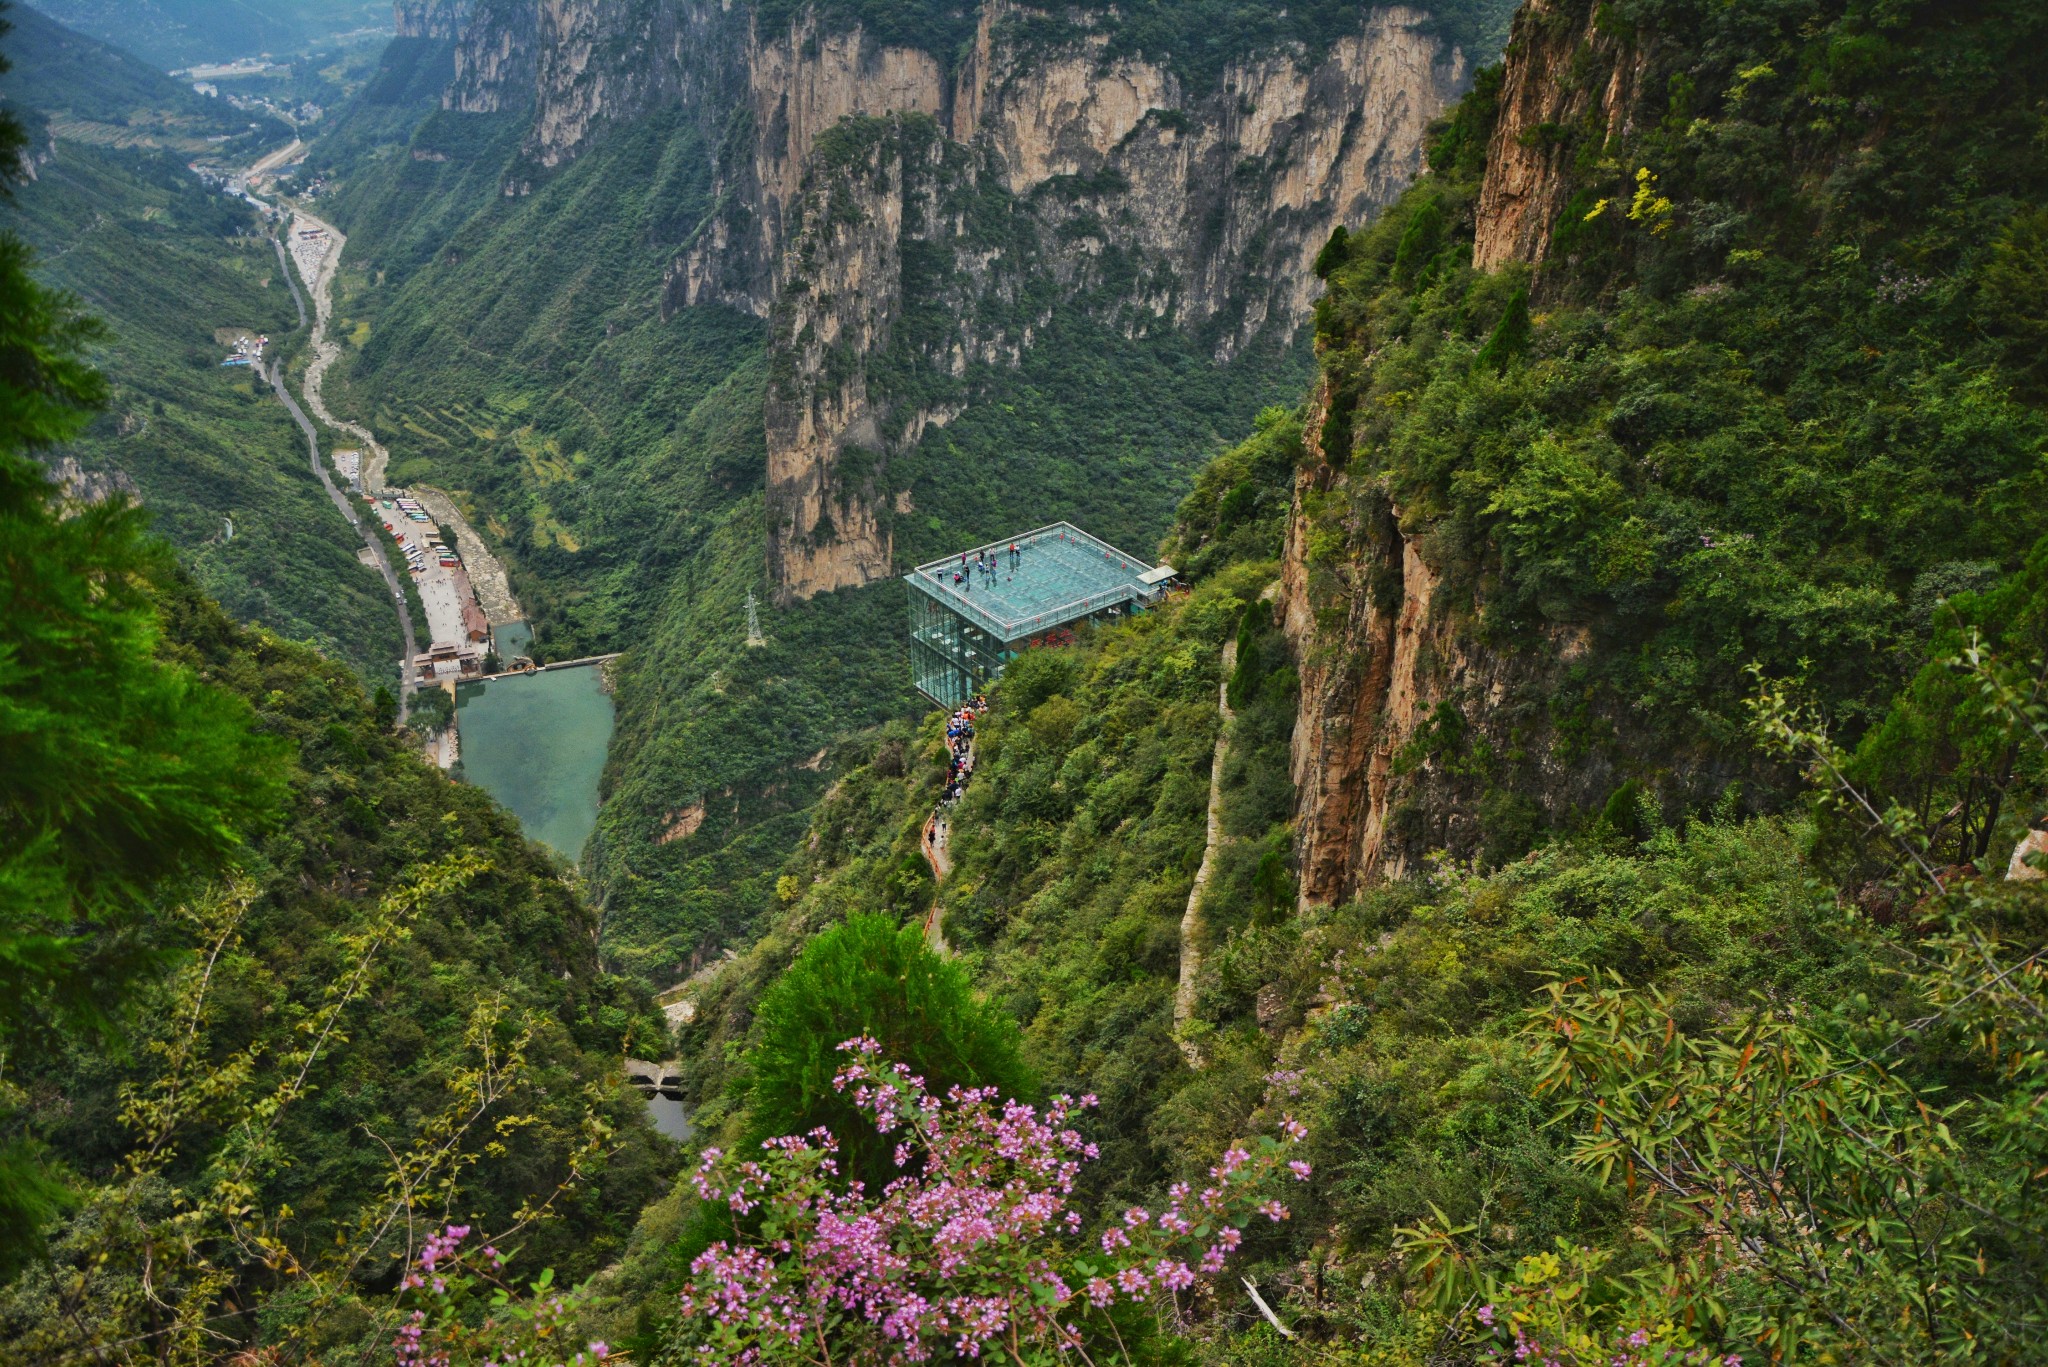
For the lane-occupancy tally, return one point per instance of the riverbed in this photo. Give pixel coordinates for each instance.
(536, 743)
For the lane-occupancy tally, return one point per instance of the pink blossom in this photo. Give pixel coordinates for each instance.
(973, 1240)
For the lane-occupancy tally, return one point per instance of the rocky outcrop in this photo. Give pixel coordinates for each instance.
(93, 486)
(439, 19)
(827, 508)
(796, 85)
(1412, 735)
(1210, 203)
(1234, 188)
(496, 58)
(1567, 83)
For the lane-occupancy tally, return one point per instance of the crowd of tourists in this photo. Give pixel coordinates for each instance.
(960, 740)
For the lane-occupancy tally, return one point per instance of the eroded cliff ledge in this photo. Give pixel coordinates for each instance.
(1408, 720)
(1023, 161)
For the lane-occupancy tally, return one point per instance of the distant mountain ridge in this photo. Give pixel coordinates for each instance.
(58, 71)
(180, 33)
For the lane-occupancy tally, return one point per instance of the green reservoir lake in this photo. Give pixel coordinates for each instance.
(537, 744)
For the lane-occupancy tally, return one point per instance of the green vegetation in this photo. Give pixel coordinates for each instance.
(276, 991)
(868, 976)
(95, 93)
(398, 1015)
(171, 267)
(1743, 1057)
(1758, 415)
(124, 777)
(1074, 851)
(177, 33)
(166, 263)
(617, 456)
(1767, 1085)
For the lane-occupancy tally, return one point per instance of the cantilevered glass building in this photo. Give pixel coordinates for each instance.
(972, 612)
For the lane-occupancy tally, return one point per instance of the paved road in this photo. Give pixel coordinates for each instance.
(363, 529)
(348, 510)
(285, 263)
(275, 160)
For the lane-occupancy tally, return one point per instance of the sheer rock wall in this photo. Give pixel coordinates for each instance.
(1397, 692)
(1220, 196)
(429, 18)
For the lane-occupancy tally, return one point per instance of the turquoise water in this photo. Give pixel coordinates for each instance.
(511, 639)
(537, 744)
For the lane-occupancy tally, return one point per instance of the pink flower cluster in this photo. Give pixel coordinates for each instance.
(973, 1247)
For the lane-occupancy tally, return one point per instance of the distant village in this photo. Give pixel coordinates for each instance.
(205, 80)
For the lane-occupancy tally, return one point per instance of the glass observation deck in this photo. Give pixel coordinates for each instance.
(967, 622)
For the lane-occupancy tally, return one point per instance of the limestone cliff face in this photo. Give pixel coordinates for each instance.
(495, 57)
(429, 18)
(1235, 188)
(1407, 722)
(1563, 70)
(1213, 201)
(825, 445)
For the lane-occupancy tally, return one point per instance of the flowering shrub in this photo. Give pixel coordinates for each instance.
(973, 1250)
(1541, 1319)
(1557, 1310)
(464, 1314)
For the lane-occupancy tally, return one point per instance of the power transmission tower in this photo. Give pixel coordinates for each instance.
(754, 636)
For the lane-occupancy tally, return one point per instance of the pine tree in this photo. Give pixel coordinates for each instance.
(123, 778)
(868, 976)
(1511, 336)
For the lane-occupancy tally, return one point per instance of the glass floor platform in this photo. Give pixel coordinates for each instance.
(969, 615)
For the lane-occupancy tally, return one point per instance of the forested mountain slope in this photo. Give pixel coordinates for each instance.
(395, 1014)
(178, 33)
(1608, 708)
(100, 93)
(1632, 1017)
(165, 263)
(693, 302)
(279, 998)
(1711, 340)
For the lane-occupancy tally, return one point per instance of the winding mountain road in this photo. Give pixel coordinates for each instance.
(493, 587)
(348, 510)
(363, 529)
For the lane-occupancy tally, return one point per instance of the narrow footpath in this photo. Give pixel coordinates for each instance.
(936, 839)
(1191, 919)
